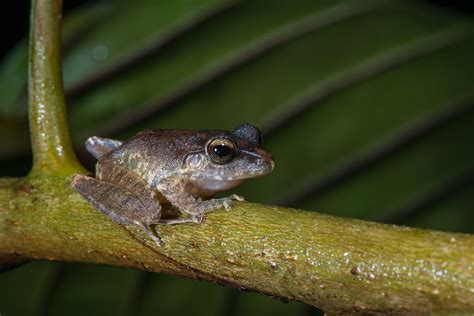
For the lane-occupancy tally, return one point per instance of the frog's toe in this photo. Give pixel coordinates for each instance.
(150, 233)
(198, 219)
(227, 204)
(158, 241)
(238, 197)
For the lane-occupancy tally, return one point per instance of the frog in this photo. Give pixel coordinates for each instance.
(177, 167)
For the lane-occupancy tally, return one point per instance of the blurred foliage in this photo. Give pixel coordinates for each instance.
(368, 107)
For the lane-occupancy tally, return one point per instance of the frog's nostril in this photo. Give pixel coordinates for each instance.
(260, 162)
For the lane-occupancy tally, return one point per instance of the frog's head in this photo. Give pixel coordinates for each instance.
(227, 159)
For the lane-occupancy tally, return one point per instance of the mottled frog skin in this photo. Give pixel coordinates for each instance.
(182, 167)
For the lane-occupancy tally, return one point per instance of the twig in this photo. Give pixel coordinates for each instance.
(52, 151)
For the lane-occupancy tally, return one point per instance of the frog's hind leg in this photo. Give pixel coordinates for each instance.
(99, 146)
(119, 204)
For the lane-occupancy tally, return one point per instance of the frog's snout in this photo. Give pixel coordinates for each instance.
(265, 162)
(272, 165)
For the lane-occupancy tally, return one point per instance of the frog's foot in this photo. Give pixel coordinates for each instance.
(227, 201)
(198, 219)
(173, 190)
(151, 234)
(202, 207)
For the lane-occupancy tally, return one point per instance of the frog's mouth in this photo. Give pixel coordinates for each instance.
(234, 177)
(207, 187)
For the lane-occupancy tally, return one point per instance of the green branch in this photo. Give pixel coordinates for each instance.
(52, 150)
(339, 265)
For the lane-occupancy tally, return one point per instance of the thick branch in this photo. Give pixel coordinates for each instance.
(336, 264)
(52, 151)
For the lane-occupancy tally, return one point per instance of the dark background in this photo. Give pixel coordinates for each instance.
(14, 17)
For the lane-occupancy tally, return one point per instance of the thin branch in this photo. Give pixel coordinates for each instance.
(130, 118)
(52, 151)
(378, 152)
(331, 263)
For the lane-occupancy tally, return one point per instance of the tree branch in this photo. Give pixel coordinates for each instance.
(338, 265)
(52, 150)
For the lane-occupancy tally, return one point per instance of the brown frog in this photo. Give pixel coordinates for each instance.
(182, 167)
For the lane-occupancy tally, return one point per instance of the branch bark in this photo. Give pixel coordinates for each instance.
(338, 265)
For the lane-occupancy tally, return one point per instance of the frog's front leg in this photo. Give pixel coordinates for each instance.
(99, 146)
(123, 196)
(174, 190)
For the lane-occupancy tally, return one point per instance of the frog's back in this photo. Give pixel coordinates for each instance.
(155, 154)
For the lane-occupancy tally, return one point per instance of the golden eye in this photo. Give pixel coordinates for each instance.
(221, 150)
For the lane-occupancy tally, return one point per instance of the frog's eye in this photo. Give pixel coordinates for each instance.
(221, 150)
